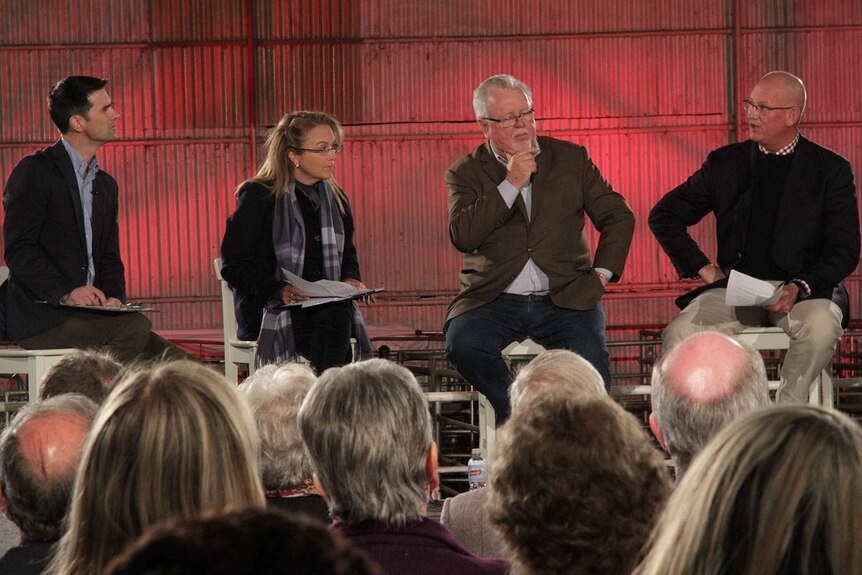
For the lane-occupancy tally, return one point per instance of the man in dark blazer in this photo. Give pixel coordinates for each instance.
(516, 212)
(62, 239)
(786, 212)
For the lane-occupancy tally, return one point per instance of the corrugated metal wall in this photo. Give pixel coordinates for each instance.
(648, 86)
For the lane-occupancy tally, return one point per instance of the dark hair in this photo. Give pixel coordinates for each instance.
(70, 97)
(36, 503)
(89, 373)
(245, 542)
(577, 486)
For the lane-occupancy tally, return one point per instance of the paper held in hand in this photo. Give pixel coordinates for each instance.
(324, 291)
(744, 290)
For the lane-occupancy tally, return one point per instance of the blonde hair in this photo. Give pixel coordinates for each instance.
(779, 490)
(276, 171)
(171, 441)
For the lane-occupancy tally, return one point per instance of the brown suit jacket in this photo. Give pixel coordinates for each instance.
(497, 241)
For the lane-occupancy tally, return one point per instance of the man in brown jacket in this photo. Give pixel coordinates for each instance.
(516, 212)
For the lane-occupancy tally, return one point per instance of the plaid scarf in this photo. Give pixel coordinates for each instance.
(276, 342)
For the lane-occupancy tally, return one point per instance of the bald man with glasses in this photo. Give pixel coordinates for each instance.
(785, 212)
(516, 211)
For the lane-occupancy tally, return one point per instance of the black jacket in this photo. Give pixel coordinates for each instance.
(43, 233)
(816, 234)
(248, 256)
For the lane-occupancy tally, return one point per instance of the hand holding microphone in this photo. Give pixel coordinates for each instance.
(521, 166)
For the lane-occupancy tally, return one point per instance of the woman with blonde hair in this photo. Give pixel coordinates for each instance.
(778, 491)
(292, 215)
(173, 440)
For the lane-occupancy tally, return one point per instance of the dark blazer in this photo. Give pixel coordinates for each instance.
(28, 559)
(45, 242)
(248, 255)
(816, 235)
(497, 240)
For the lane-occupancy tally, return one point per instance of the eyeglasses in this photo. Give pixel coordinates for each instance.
(525, 117)
(750, 106)
(335, 149)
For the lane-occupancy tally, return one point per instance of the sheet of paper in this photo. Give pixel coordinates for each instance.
(321, 288)
(744, 290)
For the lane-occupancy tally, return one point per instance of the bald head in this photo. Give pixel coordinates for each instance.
(706, 367)
(701, 385)
(39, 455)
(51, 445)
(789, 87)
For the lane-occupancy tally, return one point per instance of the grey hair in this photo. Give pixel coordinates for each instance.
(552, 368)
(687, 425)
(505, 81)
(368, 431)
(275, 393)
(37, 505)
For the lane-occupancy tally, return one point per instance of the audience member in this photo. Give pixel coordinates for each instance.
(39, 453)
(173, 440)
(577, 485)
(368, 431)
(87, 372)
(275, 394)
(464, 515)
(778, 491)
(700, 386)
(245, 542)
(552, 369)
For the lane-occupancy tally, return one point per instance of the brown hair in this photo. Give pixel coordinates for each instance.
(576, 485)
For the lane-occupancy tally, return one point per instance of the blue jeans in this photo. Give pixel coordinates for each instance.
(475, 340)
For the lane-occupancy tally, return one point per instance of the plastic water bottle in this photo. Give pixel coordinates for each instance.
(477, 470)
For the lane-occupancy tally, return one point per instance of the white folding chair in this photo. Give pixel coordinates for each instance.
(766, 338)
(236, 351)
(33, 363)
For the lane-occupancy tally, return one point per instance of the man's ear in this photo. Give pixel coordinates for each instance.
(653, 425)
(793, 116)
(76, 123)
(431, 467)
(4, 507)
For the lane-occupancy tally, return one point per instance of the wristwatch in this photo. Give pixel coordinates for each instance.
(804, 288)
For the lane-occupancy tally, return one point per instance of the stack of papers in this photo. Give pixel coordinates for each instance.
(323, 291)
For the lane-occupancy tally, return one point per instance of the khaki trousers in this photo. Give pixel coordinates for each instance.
(814, 328)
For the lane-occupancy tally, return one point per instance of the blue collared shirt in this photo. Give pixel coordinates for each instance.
(85, 174)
